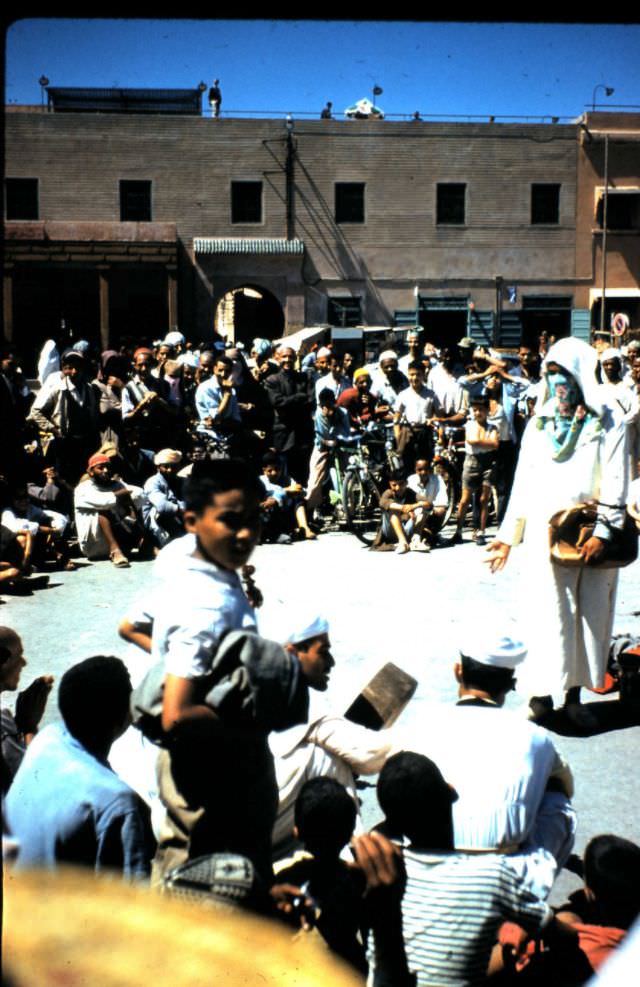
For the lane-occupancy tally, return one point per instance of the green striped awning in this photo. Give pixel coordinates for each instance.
(246, 245)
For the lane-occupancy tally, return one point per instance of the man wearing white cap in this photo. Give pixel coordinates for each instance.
(163, 504)
(514, 789)
(327, 745)
(616, 395)
(388, 381)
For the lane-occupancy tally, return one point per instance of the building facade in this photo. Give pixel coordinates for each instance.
(133, 222)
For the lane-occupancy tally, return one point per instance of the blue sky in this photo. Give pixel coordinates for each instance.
(275, 67)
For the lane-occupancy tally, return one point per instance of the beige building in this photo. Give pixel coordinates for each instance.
(127, 218)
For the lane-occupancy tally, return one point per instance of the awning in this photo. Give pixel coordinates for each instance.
(246, 245)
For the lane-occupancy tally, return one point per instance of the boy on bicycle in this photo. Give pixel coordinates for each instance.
(332, 429)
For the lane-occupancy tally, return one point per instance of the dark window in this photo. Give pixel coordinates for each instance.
(345, 312)
(623, 210)
(21, 198)
(450, 210)
(545, 204)
(349, 202)
(246, 202)
(135, 202)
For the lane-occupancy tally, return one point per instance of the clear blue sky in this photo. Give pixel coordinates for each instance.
(295, 66)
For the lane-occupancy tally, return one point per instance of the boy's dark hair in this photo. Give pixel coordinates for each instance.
(612, 872)
(325, 815)
(223, 358)
(480, 402)
(211, 477)
(326, 398)
(475, 675)
(410, 789)
(416, 365)
(398, 476)
(271, 458)
(93, 699)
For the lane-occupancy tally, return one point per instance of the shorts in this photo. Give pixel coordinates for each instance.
(478, 471)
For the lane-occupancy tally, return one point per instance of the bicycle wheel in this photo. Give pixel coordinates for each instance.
(444, 469)
(361, 503)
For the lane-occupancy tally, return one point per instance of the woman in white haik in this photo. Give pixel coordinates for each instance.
(572, 451)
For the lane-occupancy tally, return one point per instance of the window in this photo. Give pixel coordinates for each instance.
(450, 207)
(246, 202)
(345, 312)
(135, 202)
(21, 198)
(545, 204)
(623, 210)
(349, 202)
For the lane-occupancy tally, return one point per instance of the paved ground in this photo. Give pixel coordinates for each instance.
(409, 609)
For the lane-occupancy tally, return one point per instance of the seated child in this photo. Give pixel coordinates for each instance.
(284, 514)
(404, 515)
(431, 488)
(325, 816)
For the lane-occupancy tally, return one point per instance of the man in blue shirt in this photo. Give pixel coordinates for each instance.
(66, 805)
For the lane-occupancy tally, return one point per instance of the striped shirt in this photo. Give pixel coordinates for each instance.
(452, 909)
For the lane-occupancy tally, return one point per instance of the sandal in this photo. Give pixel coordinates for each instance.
(119, 560)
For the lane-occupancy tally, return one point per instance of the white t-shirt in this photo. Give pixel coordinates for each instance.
(416, 406)
(434, 489)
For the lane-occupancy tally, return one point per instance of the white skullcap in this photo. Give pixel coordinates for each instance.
(610, 354)
(495, 651)
(388, 355)
(188, 358)
(323, 351)
(167, 456)
(309, 626)
(174, 338)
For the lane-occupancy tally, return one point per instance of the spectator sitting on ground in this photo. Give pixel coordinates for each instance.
(431, 489)
(514, 788)
(325, 816)
(163, 505)
(453, 903)
(601, 913)
(66, 805)
(284, 514)
(328, 745)
(403, 516)
(19, 730)
(43, 531)
(106, 514)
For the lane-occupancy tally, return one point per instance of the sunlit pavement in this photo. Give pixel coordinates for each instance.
(410, 609)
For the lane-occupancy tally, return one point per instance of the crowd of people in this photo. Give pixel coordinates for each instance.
(97, 454)
(190, 457)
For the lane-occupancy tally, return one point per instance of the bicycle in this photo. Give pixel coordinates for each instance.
(364, 479)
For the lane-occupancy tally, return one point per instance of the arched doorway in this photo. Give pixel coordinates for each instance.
(249, 311)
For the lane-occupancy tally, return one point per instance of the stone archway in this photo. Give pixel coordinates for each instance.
(249, 311)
